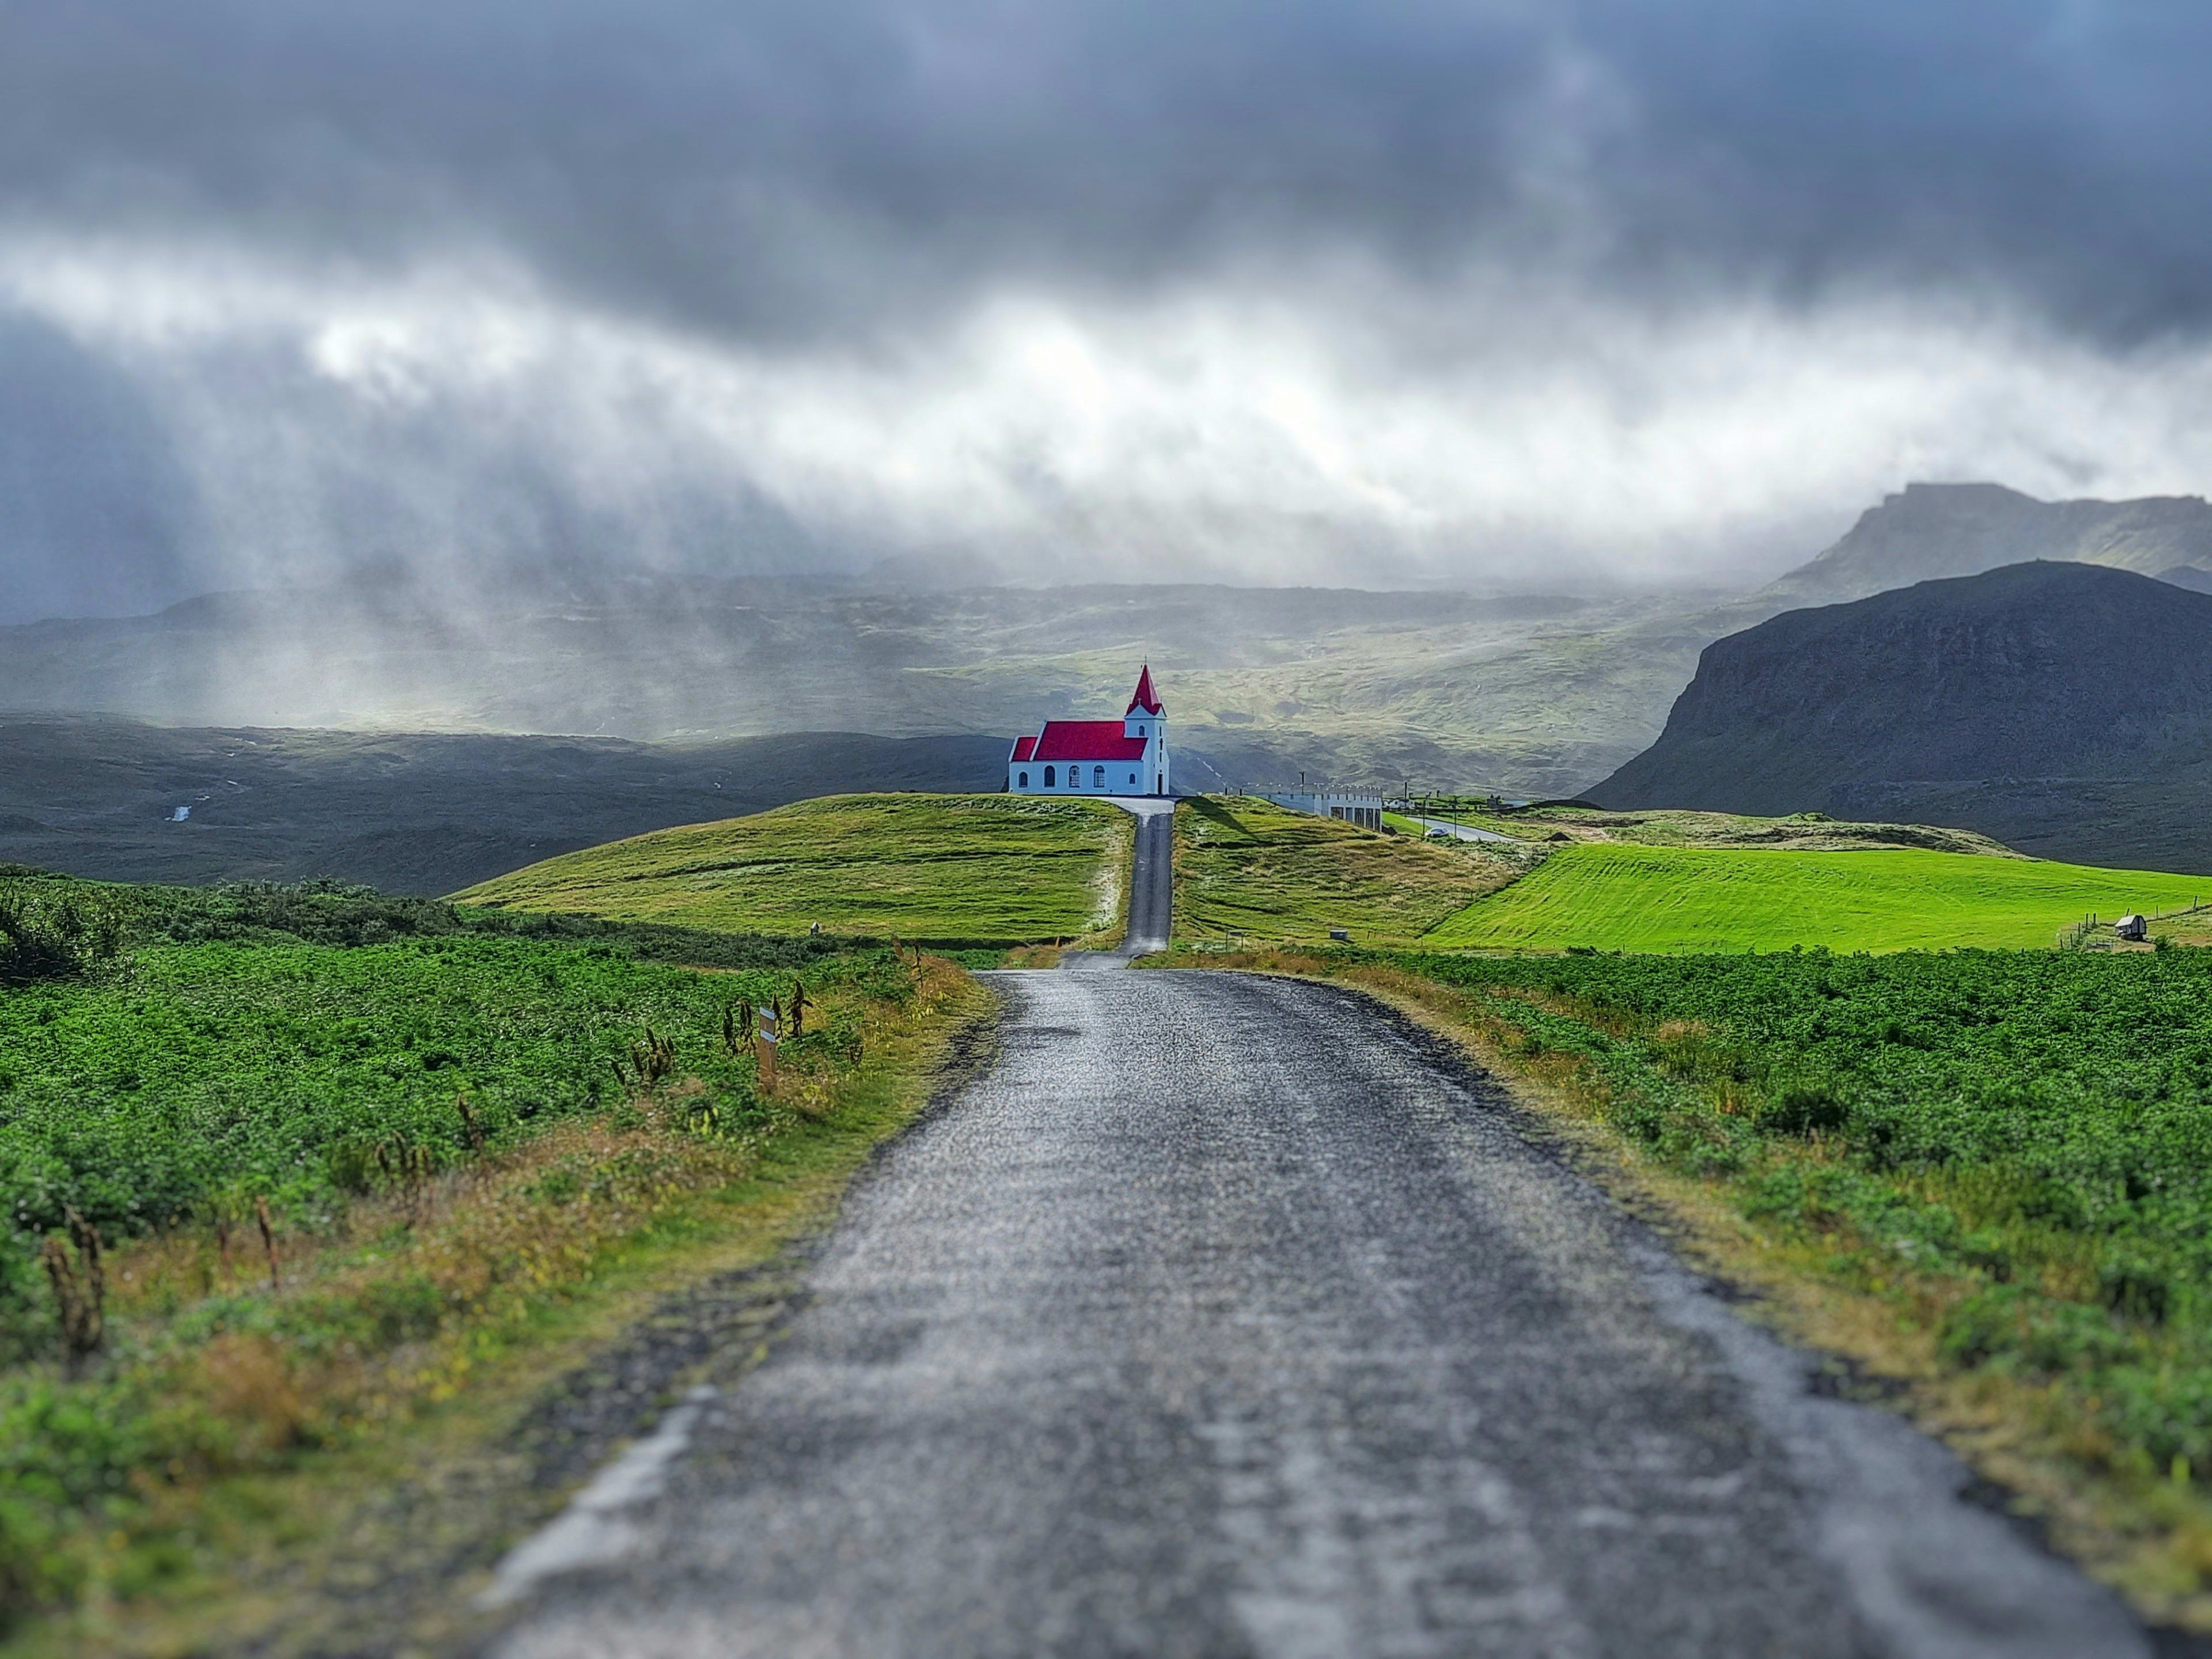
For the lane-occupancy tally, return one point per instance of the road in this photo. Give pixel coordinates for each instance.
(1152, 885)
(1232, 1315)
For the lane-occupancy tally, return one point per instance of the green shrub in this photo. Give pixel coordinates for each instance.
(57, 930)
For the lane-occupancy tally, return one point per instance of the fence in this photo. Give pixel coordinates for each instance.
(2076, 935)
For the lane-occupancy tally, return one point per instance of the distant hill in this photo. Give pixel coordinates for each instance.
(1271, 682)
(1932, 531)
(2062, 708)
(407, 812)
(1527, 694)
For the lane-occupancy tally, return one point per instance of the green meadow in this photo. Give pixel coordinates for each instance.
(988, 869)
(1616, 898)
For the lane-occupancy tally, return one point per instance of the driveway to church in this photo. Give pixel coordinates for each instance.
(1152, 885)
(1230, 1316)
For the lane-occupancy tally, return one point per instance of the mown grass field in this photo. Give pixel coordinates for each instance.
(1250, 870)
(321, 1162)
(983, 869)
(1639, 898)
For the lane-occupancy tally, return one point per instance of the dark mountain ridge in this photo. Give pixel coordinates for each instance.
(409, 812)
(2064, 709)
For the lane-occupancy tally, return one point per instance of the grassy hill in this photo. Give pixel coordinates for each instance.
(1618, 897)
(1248, 870)
(983, 868)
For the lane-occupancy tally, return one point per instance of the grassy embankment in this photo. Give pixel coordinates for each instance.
(1247, 869)
(1801, 832)
(952, 870)
(1657, 898)
(474, 1153)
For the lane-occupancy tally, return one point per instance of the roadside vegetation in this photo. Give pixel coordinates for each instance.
(973, 870)
(287, 1170)
(1620, 897)
(1984, 1174)
(1247, 869)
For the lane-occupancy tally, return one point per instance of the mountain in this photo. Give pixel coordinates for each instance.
(2064, 709)
(1530, 694)
(1269, 681)
(1931, 530)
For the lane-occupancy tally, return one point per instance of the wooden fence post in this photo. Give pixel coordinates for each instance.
(764, 1042)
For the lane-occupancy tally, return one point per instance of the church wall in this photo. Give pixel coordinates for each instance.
(1121, 777)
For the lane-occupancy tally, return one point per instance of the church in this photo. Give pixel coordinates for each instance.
(1127, 756)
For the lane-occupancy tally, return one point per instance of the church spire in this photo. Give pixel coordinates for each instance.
(1146, 699)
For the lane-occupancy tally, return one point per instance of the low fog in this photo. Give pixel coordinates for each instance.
(1500, 296)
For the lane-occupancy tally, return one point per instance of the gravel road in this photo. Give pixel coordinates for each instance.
(1230, 1316)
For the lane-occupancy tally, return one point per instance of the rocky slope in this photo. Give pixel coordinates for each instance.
(2062, 708)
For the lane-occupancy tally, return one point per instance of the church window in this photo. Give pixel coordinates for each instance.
(1025, 782)
(1047, 777)
(1097, 777)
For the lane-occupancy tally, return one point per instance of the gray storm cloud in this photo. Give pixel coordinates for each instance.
(1286, 292)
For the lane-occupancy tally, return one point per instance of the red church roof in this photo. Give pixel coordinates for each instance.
(1146, 698)
(1024, 748)
(1082, 740)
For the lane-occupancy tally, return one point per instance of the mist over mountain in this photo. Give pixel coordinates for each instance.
(2064, 708)
(1271, 681)
(1932, 530)
(1529, 692)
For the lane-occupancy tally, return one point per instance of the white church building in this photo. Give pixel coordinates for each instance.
(1127, 756)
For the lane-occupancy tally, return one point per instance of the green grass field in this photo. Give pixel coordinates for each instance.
(1247, 870)
(998, 868)
(1659, 898)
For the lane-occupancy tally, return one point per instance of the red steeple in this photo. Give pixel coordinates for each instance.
(1146, 698)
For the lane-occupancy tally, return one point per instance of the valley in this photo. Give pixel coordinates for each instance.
(357, 1228)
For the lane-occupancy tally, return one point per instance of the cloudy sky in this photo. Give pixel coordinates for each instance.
(1270, 290)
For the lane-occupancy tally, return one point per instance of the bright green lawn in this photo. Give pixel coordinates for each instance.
(984, 868)
(1666, 898)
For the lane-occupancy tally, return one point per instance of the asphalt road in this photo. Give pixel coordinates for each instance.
(1229, 1315)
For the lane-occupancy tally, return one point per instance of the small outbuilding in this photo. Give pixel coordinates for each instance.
(2131, 927)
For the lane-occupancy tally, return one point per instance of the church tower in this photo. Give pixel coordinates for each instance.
(1147, 720)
